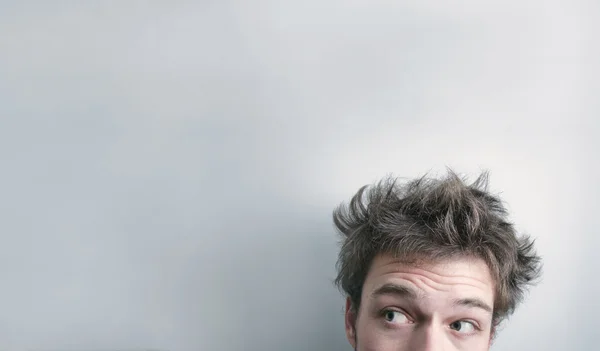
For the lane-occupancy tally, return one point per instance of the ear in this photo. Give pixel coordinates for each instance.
(350, 318)
(492, 336)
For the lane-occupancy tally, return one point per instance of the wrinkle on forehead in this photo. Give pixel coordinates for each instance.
(441, 276)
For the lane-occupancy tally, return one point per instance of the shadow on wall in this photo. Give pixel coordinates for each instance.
(263, 281)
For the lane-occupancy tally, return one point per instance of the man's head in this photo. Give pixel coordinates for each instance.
(430, 264)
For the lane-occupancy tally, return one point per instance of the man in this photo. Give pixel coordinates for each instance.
(430, 264)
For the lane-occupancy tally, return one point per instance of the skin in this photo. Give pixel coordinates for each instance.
(442, 306)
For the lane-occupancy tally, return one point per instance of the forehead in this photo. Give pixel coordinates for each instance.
(456, 278)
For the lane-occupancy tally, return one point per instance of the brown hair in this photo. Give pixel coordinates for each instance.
(429, 220)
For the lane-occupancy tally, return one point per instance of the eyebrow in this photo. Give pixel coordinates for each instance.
(473, 303)
(404, 291)
(395, 289)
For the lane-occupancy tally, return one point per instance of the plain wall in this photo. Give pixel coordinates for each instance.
(168, 169)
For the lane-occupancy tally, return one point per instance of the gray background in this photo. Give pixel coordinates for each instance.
(169, 168)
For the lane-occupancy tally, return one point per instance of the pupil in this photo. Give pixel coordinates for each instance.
(390, 316)
(456, 326)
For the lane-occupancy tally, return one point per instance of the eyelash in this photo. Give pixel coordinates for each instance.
(385, 311)
(476, 328)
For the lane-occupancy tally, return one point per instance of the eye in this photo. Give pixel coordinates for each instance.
(463, 327)
(393, 316)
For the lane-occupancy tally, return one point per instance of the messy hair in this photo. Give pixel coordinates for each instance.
(429, 220)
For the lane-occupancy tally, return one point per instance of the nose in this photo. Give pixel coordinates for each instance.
(429, 338)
